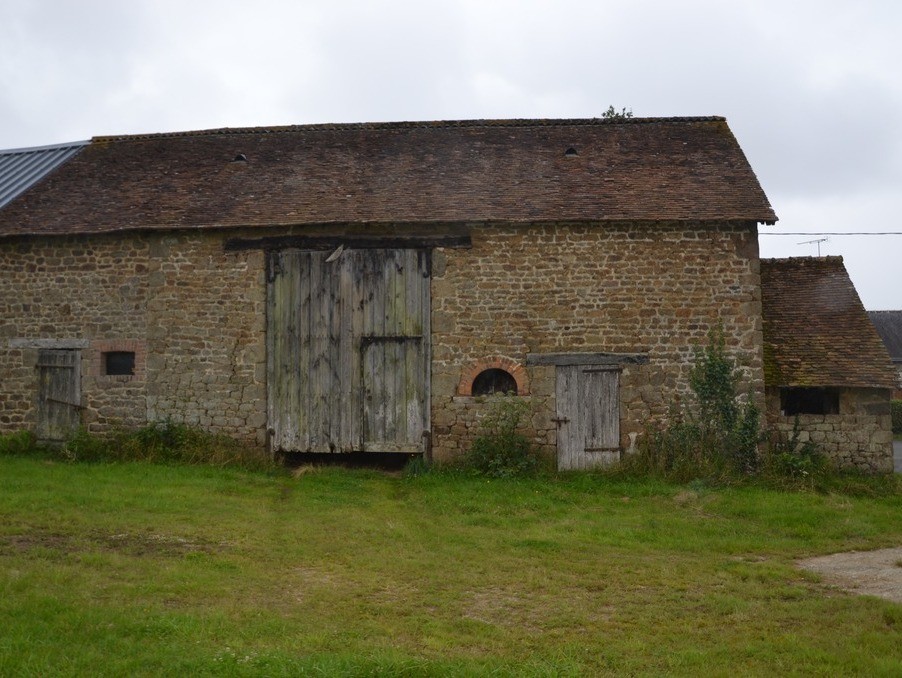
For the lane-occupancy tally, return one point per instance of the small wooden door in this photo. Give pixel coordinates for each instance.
(347, 350)
(588, 416)
(59, 394)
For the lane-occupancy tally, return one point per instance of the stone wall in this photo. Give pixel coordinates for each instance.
(192, 314)
(618, 288)
(195, 317)
(860, 436)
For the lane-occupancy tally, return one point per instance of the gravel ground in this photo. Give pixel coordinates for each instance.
(872, 573)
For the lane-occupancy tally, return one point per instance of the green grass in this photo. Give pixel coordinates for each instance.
(132, 568)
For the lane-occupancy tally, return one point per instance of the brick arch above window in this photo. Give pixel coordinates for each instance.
(512, 367)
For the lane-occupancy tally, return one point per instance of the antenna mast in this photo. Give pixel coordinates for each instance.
(816, 241)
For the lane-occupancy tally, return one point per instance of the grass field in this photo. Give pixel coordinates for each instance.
(131, 569)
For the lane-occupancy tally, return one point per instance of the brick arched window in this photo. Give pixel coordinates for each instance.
(484, 373)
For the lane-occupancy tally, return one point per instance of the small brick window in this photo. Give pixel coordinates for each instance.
(494, 380)
(795, 401)
(493, 374)
(116, 363)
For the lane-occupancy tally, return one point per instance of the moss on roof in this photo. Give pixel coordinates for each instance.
(638, 169)
(816, 331)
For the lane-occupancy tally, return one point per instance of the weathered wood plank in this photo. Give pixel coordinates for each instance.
(359, 242)
(566, 415)
(59, 393)
(580, 359)
(321, 353)
(297, 349)
(609, 416)
(355, 370)
(346, 351)
(588, 410)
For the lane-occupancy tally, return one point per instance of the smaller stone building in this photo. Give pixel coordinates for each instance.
(824, 362)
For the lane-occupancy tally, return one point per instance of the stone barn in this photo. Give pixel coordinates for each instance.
(369, 287)
(824, 363)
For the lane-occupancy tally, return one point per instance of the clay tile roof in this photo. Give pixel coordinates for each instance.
(651, 169)
(889, 327)
(816, 331)
(22, 168)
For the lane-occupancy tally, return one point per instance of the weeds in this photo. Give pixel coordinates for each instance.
(796, 459)
(164, 442)
(18, 444)
(717, 438)
(501, 451)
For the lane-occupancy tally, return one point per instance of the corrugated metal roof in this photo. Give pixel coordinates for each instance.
(21, 168)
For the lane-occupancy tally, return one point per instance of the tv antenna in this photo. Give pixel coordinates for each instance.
(816, 241)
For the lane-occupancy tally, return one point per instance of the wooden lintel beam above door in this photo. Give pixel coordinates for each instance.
(325, 242)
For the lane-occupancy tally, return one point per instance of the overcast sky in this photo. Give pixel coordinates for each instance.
(812, 90)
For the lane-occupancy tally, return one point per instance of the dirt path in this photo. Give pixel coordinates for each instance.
(873, 573)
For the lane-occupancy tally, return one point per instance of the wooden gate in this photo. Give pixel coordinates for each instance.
(59, 394)
(588, 416)
(347, 347)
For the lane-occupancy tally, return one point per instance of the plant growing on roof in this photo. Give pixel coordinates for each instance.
(613, 114)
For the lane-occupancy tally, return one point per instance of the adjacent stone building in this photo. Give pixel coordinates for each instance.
(369, 287)
(889, 327)
(825, 366)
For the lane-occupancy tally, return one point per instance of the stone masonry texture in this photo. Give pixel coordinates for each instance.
(622, 288)
(195, 316)
(859, 437)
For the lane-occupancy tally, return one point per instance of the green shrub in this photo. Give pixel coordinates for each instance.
(717, 436)
(501, 450)
(897, 416)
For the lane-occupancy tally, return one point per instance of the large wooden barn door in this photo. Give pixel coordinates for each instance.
(347, 342)
(393, 348)
(59, 394)
(588, 416)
